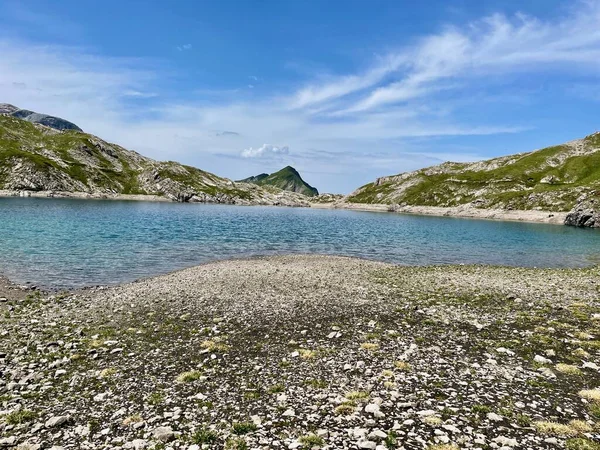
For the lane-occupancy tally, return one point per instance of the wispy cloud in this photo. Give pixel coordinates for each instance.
(265, 150)
(184, 47)
(494, 45)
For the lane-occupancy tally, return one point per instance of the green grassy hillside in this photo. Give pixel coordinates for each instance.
(552, 178)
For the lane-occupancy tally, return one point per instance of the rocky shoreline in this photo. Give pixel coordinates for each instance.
(464, 211)
(282, 198)
(306, 352)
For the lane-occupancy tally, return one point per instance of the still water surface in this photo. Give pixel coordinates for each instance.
(65, 243)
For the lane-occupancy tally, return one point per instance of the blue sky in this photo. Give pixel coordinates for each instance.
(345, 91)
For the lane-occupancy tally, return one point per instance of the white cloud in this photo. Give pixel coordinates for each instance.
(265, 150)
(184, 47)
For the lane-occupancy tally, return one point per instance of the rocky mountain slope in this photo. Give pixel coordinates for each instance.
(39, 157)
(554, 179)
(287, 179)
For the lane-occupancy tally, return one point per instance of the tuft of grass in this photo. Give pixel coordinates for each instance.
(307, 354)
(580, 426)
(590, 394)
(554, 428)
(240, 428)
(594, 410)
(215, 346)
(236, 444)
(403, 366)
(581, 444)
(568, 369)
(311, 440)
(391, 440)
(523, 420)
(276, 388)
(156, 398)
(345, 409)
(20, 416)
(107, 373)
(369, 346)
(205, 436)
(357, 395)
(432, 420)
(188, 377)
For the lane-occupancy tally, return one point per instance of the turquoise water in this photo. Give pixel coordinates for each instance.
(61, 243)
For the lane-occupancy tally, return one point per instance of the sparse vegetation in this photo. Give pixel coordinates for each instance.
(188, 377)
(243, 427)
(205, 436)
(19, 416)
(311, 440)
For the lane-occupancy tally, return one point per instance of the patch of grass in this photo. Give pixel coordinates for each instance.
(307, 354)
(205, 436)
(276, 388)
(107, 373)
(594, 410)
(317, 384)
(580, 426)
(523, 420)
(156, 398)
(590, 394)
(403, 366)
(251, 395)
(236, 444)
(20, 416)
(480, 409)
(215, 346)
(311, 440)
(581, 444)
(345, 409)
(240, 428)
(568, 369)
(357, 395)
(369, 346)
(391, 440)
(554, 428)
(188, 377)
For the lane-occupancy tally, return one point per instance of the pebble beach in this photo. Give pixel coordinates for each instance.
(305, 352)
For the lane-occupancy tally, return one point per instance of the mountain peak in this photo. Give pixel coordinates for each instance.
(287, 179)
(43, 119)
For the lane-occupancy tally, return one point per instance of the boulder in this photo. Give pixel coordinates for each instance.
(585, 214)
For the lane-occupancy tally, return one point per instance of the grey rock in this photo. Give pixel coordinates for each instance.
(57, 421)
(163, 434)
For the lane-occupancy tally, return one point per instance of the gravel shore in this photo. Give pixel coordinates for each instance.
(306, 352)
(464, 211)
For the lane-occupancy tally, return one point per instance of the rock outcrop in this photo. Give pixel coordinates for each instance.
(586, 213)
